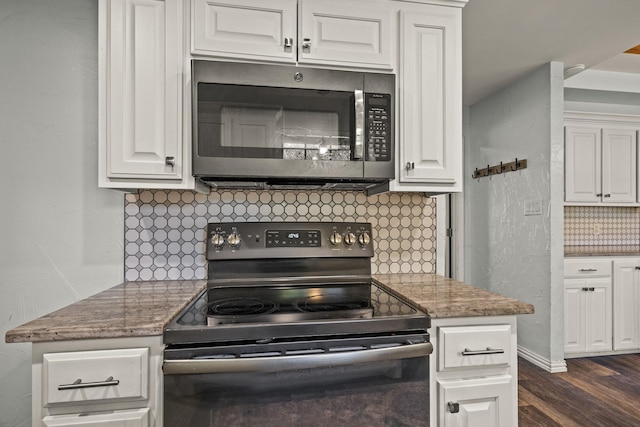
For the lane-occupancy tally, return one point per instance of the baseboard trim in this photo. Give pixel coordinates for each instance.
(546, 364)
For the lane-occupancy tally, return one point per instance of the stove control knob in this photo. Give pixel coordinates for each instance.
(234, 240)
(336, 238)
(364, 239)
(349, 239)
(217, 240)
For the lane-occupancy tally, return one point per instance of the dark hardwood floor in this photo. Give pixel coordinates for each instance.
(596, 391)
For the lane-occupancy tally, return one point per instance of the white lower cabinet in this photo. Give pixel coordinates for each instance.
(626, 304)
(476, 402)
(133, 418)
(588, 294)
(106, 382)
(474, 372)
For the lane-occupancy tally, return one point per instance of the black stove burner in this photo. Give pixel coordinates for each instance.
(241, 307)
(322, 302)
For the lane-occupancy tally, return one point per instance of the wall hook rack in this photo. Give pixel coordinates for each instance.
(517, 164)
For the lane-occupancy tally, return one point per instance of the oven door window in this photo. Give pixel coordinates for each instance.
(239, 121)
(378, 393)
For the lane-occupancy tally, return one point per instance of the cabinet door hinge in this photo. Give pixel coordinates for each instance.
(449, 232)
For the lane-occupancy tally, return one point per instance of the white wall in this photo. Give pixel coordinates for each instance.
(505, 251)
(60, 236)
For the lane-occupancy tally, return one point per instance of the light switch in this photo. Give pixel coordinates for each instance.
(533, 207)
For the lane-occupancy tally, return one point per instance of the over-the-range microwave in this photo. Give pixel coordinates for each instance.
(284, 126)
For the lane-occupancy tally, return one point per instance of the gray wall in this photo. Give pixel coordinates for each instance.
(505, 251)
(60, 236)
(599, 101)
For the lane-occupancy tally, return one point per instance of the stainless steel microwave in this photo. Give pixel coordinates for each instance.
(282, 126)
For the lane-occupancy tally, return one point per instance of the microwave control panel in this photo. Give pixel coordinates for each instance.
(378, 127)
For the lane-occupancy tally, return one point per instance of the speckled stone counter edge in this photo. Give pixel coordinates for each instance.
(585, 251)
(145, 308)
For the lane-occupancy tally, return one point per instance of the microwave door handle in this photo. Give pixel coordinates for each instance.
(358, 146)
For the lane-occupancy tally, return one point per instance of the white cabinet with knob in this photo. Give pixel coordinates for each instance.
(626, 304)
(588, 293)
(601, 159)
(349, 33)
(429, 100)
(474, 372)
(105, 382)
(143, 141)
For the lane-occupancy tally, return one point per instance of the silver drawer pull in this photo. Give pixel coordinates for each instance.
(489, 350)
(79, 384)
(588, 270)
(453, 407)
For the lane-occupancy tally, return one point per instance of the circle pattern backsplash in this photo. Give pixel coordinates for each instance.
(165, 229)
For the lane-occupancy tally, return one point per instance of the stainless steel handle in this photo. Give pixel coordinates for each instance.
(598, 194)
(453, 407)
(79, 384)
(358, 145)
(585, 289)
(288, 43)
(288, 363)
(170, 161)
(587, 270)
(409, 166)
(592, 289)
(306, 45)
(488, 350)
(607, 195)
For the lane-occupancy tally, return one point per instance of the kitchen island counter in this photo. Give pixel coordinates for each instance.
(130, 309)
(144, 308)
(442, 297)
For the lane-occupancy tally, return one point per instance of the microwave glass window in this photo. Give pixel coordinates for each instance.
(274, 123)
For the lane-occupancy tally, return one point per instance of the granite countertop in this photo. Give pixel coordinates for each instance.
(442, 297)
(145, 308)
(126, 310)
(608, 250)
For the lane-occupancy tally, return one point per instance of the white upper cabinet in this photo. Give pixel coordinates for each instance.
(430, 101)
(601, 159)
(141, 95)
(245, 28)
(349, 32)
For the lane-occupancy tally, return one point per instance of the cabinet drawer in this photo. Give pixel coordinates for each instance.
(128, 418)
(474, 346)
(89, 376)
(587, 268)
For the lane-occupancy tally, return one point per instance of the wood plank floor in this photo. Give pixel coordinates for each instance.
(596, 391)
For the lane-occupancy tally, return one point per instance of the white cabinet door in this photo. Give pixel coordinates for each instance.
(486, 402)
(574, 306)
(619, 165)
(583, 160)
(128, 418)
(143, 90)
(245, 28)
(587, 315)
(626, 307)
(347, 32)
(599, 317)
(430, 123)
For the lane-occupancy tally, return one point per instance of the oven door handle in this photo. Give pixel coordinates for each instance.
(288, 363)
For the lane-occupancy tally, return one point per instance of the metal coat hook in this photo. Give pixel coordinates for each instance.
(499, 169)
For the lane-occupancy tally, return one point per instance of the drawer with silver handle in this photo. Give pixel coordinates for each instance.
(576, 268)
(474, 346)
(93, 376)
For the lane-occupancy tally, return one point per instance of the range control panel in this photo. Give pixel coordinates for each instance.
(253, 240)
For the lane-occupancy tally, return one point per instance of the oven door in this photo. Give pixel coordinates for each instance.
(353, 382)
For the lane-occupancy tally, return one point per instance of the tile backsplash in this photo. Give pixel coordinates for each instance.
(601, 226)
(165, 230)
